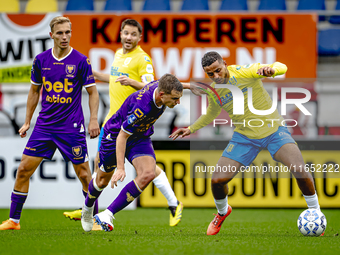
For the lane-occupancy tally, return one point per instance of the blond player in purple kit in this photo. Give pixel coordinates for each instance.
(61, 72)
(127, 134)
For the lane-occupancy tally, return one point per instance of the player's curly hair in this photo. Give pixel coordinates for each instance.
(210, 57)
(169, 82)
(132, 22)
(59, 20)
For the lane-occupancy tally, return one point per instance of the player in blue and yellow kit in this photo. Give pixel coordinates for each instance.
(61, 72)
(127, 134)
(131, 70)
(248, 140)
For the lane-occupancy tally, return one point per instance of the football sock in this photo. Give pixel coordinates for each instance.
(162, 183)
(18, 199)
(93, 193)
(95, 209)
(222, 205)
(125, 197)
(312, 201)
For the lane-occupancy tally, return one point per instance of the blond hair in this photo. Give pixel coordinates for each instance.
(59, 20)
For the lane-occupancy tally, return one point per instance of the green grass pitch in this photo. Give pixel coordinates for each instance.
(146, 231)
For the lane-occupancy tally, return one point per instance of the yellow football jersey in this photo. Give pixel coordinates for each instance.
(249, 124)
(136, 65)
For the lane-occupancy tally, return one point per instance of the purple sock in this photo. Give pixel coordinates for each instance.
(125, 197)
(18, 199)
(92, 199)
(95, 210)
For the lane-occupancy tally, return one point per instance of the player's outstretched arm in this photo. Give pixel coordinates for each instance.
(32, 102)
(181, 132)
(93, 128)
(126, 81)
(266, 71)
(272, 70)
(104, 77)
(120, 174)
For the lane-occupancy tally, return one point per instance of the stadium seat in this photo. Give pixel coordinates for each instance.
(156, 5)
(118, 5)
(232, 5)
(318, 5)
(79, 5)
(329, 42)
(195, 5)
(269, 5)
(10, 6)
(41, 6)
(335, 19)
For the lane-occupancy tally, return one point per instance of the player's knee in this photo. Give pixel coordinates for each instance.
(84, 176)
(23, 172)
(102, 183)
(147, 176)
(217, 182)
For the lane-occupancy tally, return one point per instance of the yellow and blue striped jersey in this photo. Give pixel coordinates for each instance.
(243, 77)
(136, 65)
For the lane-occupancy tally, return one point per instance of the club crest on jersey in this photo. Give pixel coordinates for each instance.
(77, 151)
(70, 70)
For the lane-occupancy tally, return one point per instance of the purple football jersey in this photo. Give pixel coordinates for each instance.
(137, 114)
(62, 80)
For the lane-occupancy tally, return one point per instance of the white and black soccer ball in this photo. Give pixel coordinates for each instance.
(312, 222)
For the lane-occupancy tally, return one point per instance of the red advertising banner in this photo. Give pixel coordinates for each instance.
(175, 42)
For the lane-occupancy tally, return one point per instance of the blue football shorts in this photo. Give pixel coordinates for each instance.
(244, 150)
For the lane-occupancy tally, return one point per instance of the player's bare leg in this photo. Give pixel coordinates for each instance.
(84, 174)
(290, 155)
(27, 167)
(225, 171)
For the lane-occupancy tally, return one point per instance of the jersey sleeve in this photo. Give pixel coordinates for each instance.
(87, 74)
(212, 112)
(134, 120)
(36, 72)
(146, 71)
(277, 66)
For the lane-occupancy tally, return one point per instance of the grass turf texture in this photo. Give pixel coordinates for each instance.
(146, 231)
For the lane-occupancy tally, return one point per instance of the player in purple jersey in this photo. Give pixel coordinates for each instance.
(61, 72)
(124, 80)
(127, 134)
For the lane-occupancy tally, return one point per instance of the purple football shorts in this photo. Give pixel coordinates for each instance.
(135, 147)
(72, 146)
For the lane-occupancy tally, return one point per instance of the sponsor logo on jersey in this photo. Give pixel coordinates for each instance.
(149, 68)
(131, 118)
(147, 59)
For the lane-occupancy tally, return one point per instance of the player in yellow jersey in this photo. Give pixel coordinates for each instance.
(131, 70)
(247, 140)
